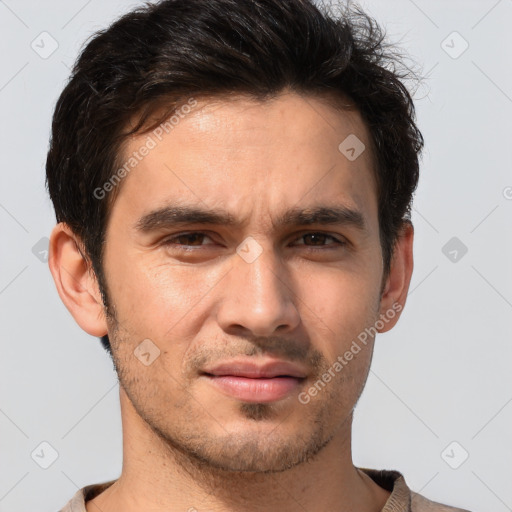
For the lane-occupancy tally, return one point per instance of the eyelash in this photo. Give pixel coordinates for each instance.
(338, 243)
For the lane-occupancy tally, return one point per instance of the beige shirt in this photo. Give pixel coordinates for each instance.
(402, 499)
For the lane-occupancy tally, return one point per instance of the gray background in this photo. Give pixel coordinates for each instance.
(442, 375)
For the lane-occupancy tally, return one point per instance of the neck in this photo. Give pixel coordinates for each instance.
(158, 477)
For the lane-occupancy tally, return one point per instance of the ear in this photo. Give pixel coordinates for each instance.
(75, 281)
(397, 283)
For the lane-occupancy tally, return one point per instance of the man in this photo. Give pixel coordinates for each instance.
(232, 182)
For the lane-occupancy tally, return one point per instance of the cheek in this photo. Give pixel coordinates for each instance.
(337, 306)
(344, 310)
(160, 301)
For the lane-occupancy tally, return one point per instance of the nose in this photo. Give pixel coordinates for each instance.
(258, 297)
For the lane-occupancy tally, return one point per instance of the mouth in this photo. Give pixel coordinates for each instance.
(261, 389)
(246, 381)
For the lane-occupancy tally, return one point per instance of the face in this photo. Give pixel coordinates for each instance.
(226, 319)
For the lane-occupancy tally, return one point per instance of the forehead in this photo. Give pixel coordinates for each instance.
(250, 156)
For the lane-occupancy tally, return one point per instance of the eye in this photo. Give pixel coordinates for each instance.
(192, 239)
(317, 239)
(312, 240)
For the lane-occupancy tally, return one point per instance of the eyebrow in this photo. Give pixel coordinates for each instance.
(173, 216)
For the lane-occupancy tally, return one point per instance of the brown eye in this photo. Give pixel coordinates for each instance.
(193, 239)
(319, 239)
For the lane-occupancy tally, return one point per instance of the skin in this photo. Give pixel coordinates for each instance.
(186, 445)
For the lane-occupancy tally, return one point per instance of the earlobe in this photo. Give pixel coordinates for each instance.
(75, 281)
(397, 284)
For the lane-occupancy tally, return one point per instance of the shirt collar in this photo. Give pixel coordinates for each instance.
(393, 481)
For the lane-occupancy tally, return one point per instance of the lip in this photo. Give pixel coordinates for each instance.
(252, 370)
(251, 382)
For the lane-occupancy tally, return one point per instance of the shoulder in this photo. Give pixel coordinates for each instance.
(421, 504)
(77, 502)
(402, 498)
